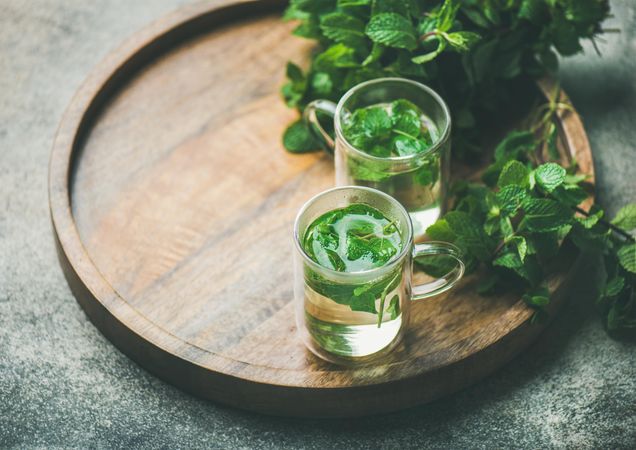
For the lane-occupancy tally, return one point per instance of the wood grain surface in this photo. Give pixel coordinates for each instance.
(173, 201)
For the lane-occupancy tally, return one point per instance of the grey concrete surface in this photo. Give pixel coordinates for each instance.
(62, 384)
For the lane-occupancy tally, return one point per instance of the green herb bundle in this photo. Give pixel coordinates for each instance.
(472, 52)
(479, 54)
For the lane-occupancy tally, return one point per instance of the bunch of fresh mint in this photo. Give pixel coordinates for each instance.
(515, 223)
(469, 51)
(476, 54)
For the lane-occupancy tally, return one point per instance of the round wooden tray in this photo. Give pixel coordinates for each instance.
(172, 203)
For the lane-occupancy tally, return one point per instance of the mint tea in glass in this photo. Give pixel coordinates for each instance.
(353, 270)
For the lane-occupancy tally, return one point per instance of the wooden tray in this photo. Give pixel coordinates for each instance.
(172, 203)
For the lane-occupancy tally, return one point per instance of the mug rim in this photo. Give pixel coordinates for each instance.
(406, 158)
(390, 265)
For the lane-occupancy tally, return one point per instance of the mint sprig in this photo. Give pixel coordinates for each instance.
(515, 230)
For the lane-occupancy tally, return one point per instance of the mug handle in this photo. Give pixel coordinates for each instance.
(422, 291)
(311, 119)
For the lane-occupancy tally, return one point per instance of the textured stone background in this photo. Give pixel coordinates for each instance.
(63, 384)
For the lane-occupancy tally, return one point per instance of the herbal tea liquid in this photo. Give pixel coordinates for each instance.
(353, 319)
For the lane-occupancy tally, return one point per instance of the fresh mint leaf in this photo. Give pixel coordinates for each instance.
(470, 235)
(513, 173)
(462, 41)
(321, 83)
(396, 130)
(538, 298)
(363, 303)
(406, 117)
(521, 245)
(394, 307)
(293, 13)
(515, 146)
(505, 225)
(627, 257)
(549, 176)
(626, 217)
(595, 214)
(446, 15)
(309, 29)
(298, 138)
(436, 266)
(343, 28)
(542, 214)
(584, 11)
(408, 146)
(510, 197)
(614, 287)
(441, 231)
(368, 126)
(392, 30)
(294, 73)
(509, 260)
(569, 194)
(335, 57)
(492, 13)
(313, 6)
(294, 90)
(564, 35)
(353, 3)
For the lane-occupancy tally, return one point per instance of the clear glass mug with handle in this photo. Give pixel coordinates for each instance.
(418, 181)
(328, 320)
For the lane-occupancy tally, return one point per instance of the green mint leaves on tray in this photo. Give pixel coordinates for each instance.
(354, 239)
(515, 222)
(477, 54)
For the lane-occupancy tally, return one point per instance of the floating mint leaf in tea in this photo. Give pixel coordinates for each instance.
(356, 238)
(398, 128)
(352, 239)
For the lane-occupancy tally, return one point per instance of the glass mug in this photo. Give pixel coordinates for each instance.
(418, 181)
(328, 325)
